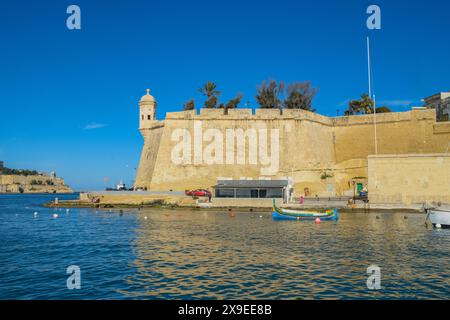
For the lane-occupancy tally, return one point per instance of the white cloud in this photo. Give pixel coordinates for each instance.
(94, 125)
(396, 103)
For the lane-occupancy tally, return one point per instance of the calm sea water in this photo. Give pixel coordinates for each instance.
(176, 254)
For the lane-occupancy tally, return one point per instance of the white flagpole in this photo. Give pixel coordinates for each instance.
(368, 67)
(369, 72)
(375, 123)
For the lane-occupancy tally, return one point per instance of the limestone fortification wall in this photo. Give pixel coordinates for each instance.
(320, 153)
(409, 179)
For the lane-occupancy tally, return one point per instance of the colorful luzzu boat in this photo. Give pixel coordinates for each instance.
(286, 214)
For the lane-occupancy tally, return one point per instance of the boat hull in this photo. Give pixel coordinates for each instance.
(287, 214)
(441, 217)
(277, 215)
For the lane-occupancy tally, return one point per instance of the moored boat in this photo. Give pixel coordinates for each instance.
(439, 217)
(287, 214)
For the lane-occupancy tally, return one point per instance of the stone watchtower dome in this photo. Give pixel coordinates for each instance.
(147, 110)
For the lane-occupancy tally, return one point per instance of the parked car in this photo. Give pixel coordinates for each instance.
(198, 193)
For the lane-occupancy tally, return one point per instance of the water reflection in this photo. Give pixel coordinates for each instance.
(215, 255)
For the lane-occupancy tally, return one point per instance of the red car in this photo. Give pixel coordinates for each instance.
(198, 193)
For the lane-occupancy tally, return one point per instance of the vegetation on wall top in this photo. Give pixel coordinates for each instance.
(269, 95)
(364, 105)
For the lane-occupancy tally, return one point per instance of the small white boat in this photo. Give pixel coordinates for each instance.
(439, 217)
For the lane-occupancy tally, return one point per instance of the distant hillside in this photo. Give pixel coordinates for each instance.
(30, 181)
(19, 172)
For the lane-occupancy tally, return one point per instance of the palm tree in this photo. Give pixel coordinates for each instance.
(209, 89)
(211, 102)
(361, 106)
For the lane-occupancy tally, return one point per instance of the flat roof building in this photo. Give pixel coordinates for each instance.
(441, 102)
(251, 188)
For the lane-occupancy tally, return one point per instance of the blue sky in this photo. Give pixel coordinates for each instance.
(69, 98)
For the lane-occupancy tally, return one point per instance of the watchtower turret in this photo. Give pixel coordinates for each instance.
(147, 111)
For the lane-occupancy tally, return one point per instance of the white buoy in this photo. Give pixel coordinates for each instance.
(438, 225)
(35, 214)
(260, 216)
(67, 211)
(55, 215)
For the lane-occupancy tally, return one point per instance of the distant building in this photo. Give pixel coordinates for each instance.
(1, 164)
(441, 102)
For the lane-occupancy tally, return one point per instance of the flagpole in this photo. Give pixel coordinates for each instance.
(375, 123)
(369, 73)
(368, 67)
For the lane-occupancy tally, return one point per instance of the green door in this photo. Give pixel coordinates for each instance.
(359, 187)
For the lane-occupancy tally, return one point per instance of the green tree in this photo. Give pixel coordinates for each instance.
(361, 106)
(189, 105)
(211, 102)
(268, 95)
(20, 172)
(209, 89)
(232, 104)
(383, 109)
(300, 96)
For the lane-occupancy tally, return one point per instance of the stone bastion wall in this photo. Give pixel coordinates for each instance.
(321, 154)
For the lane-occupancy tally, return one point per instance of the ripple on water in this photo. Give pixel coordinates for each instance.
(186, 254)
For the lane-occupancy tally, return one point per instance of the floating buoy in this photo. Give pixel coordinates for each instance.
(67, 210)
(260, 216)
(35, 214)
(438, 225)
(317, 220)
(55, 215)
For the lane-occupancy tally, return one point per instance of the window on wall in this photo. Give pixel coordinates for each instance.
(148, 117)
(225, 193)
(243, 193)
(142, 117)
(274, 193)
